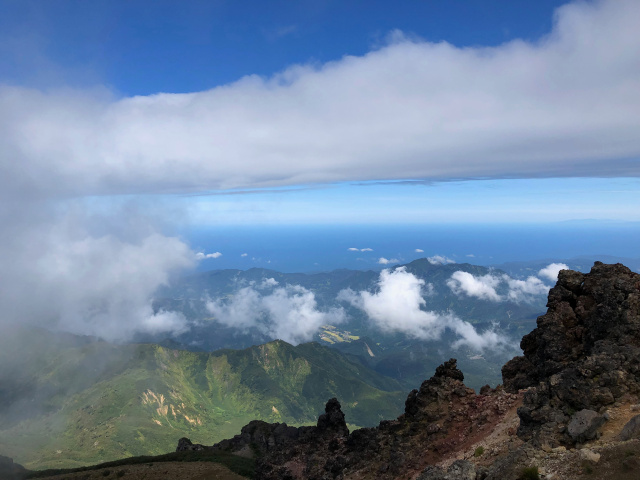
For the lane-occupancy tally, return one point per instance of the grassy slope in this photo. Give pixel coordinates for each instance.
(143, 398)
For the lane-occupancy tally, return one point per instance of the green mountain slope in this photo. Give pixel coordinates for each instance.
(89, 401)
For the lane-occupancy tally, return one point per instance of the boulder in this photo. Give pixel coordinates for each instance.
(631, 429)
(584, 425)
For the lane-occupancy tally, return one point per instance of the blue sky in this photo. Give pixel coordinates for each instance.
(124, 124)
(145, 47)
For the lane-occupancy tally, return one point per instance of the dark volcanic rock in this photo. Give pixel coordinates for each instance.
(631, 429)
(333, 419)
(10, 470)
(185, 445)
(439, 417)
(458, 470)
(584, 425)
(584, 353)
(255, 439)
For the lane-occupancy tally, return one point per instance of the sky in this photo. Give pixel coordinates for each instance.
(125, 124)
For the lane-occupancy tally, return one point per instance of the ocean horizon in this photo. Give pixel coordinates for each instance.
(311, 248)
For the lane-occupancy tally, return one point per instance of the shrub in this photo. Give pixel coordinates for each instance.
(478, 451)
(529, 473)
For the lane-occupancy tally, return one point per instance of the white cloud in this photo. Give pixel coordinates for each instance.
(551, 271)
(483, 287)
(61, 275)
(565, 105)
(268, 282)
(387, 261)
(470, 255)
(203, 256)
(419, 250)
(244, 254)
(353, 249)
(440, 260)
(398, 306)
(366, 249)
(289, 313)
(523, 290)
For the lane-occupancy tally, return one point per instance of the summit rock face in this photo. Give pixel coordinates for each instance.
(439, 417)
(583, 357)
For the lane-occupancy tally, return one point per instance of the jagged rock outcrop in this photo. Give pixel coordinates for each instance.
(584, 355)
(439, 417)
(9, 470)
(255, 439)
(185, 445)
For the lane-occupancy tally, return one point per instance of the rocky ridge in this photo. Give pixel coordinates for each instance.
(583, 357)
(575, 389)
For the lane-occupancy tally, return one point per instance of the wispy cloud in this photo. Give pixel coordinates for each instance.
(204, 256)
(354, 249)
(419, 250)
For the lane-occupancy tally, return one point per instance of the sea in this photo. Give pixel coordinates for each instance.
(314, 248)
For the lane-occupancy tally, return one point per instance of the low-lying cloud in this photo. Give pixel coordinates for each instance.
(387, 261)
(399, 306)
(482, 287)
(440, 260)
(485, 287)
(551, 271)
(288, 312)
(61, 275)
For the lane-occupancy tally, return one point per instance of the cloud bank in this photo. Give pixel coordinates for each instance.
(289, 313)
(565, 105)
(60, 274)
(398, 306)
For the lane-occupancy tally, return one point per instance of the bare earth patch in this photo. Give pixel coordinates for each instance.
(157, 471)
